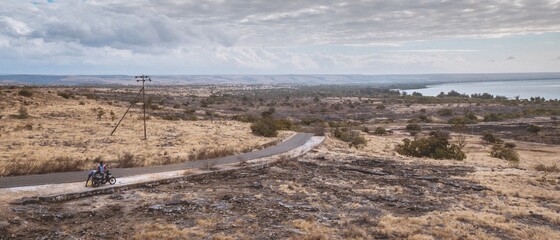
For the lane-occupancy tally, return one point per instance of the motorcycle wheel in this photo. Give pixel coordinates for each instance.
(95, 184)
(112, 180)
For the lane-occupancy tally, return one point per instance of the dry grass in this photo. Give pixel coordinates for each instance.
(60, 127)
(160, 231)
(57, 164)
(544, 168)
(207, 153)
(313, 230)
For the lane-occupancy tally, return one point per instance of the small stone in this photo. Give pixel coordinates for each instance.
(156, 207)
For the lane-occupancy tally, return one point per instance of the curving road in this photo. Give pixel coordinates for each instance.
(67, 177)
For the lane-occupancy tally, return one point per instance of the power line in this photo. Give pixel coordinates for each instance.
(143, 79)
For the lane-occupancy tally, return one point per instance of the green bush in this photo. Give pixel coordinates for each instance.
(534, 129)
(265, 127)
(65, 95)
(352, 137)
(285, 124)
(504, 152)
(25, 93)
(490, 137)
(380, 131)
(433, 147)
(492, 117)
(445, 112)
(413, 127)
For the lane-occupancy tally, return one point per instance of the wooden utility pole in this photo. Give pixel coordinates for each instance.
(143, 79)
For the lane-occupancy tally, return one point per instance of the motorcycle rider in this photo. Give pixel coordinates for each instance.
(101, 168)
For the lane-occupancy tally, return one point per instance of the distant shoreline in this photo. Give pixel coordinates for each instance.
(404, 82)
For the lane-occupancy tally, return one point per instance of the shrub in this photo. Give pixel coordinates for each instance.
(433, 147)
(25, 93)
(492, 117)
(503, 152)
(265, 127)
(380, 131)
(445, 112)
(285, 124)
(127, 160)
(413, 127)
(65, 95)
(244, 118)
(490, 137)
(380, 107)
(534, 129)
(22, 113)
(352, 137)
(543, 168)
(268, 113)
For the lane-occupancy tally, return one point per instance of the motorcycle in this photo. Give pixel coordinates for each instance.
(99, 179)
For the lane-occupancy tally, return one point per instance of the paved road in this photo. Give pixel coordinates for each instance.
(66, 177)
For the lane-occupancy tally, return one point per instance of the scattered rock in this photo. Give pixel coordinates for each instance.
(156, 207)
(28, 200)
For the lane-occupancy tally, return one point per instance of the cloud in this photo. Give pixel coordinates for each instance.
(510, 58)
(243, 33)
(130, 24)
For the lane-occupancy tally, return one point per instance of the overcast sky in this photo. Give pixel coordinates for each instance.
(278, 37)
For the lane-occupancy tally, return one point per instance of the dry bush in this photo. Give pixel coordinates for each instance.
(58, 164)
(128, 160)
(166, 160)
(221, 236)
(354, 233)
(313, 230)
(543, 168)
(22, 113)
(207, 153)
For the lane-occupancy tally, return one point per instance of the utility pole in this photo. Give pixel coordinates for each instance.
(143, 79)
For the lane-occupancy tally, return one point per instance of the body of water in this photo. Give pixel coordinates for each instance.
(549, 89)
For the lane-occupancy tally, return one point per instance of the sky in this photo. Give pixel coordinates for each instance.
(278, 37)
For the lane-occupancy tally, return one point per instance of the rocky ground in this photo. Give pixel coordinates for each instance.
(323, 195)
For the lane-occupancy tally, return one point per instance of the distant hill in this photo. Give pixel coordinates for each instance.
(375, 80)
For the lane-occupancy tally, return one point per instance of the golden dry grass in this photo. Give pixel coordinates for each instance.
(70, 128)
